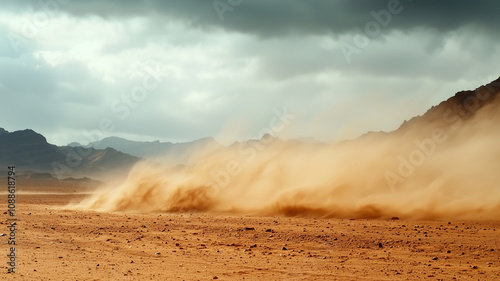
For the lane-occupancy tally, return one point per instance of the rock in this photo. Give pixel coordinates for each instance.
(380, 245)
(215, 277)
(395, 218)
(249, 228)
(284, 249)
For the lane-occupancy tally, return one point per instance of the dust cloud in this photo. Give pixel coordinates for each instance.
(442, 165)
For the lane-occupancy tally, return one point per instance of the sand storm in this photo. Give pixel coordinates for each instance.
(442, 165)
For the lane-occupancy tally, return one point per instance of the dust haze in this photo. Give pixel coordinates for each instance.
(442, 165)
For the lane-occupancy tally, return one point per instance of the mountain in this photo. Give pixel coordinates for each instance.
(31, 153)
(174, 152)
(461, 107)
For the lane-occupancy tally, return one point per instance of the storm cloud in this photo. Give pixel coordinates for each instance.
(343, 67)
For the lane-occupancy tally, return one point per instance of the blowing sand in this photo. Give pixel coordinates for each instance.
(270, 209)
(59, 244)
(443, 165)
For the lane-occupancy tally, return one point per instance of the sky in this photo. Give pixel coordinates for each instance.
(81, 70)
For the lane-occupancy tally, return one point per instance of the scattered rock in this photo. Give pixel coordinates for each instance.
(284, 249)
(249, 228)
(380, 245)
(395, 218)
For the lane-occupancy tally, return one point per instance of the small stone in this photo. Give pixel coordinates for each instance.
(215, 277)
(284, 249)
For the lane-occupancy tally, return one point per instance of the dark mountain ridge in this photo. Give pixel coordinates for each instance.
(31, 153)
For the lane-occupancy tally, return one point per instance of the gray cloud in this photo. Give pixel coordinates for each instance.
(281, 17)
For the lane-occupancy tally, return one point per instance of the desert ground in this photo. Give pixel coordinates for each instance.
(54, 243)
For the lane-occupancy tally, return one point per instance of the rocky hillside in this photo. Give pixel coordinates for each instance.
(31, 153)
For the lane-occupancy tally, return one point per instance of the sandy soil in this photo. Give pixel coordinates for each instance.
(58, 244)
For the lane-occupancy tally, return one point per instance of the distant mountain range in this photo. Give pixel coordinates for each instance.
(178, 152)
(31, 153)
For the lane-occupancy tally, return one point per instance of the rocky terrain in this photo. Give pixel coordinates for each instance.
(56, 244)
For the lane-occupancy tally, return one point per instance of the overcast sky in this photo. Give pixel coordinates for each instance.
(186, 69)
